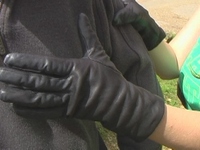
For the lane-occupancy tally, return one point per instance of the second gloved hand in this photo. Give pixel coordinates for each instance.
(88, 88)
(140, 19)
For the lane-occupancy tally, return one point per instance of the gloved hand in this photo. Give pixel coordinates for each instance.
(88, 88)
(140, 19)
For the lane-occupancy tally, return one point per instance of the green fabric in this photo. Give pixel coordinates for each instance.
(189, 79)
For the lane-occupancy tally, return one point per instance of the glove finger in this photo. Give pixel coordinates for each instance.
(40, 64)
(126, 2)
(94, 49)
(90, 39)
(125, 16)
(33, 81)
(40, 113)
(32, 99)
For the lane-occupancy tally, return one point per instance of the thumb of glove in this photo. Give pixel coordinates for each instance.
(94, 49)
(132, 12)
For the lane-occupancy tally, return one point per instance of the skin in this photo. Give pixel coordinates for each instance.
(173, 55)
(179, 128)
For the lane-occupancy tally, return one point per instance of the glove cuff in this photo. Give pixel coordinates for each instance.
(152, 35)
(152, 120)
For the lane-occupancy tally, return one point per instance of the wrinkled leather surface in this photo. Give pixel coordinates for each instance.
(49, 28)
(89, 88)
(135, 14)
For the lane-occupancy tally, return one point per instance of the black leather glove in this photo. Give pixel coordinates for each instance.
(87, 88)
(140, 19)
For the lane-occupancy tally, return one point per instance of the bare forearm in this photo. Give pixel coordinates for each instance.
(179, 129)
(186, 38)
(165, 61)
(169, 58)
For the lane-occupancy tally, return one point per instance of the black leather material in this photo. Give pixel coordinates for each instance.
(89, 88)
(49, 28)
(140, 19)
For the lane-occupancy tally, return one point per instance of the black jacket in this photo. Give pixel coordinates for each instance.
(50, 27)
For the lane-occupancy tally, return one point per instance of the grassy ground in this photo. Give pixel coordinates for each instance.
(169, 91)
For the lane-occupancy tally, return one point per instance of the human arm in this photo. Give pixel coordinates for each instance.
(165, 61)
(152, 35)
(171, 56)
(167, 58)
(186, 38)
(184, 129)
(90, 88)
(179, 129)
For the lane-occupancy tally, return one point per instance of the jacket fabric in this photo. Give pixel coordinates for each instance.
(50, 27)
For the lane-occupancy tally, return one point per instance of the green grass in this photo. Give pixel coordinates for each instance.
(169, 88)
(170, 95)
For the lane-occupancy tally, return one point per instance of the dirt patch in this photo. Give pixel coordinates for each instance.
(171, 15)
